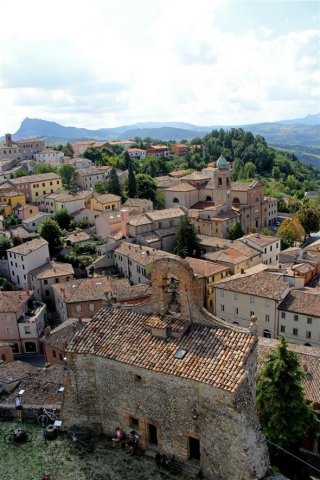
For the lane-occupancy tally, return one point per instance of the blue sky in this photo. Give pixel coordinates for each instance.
(105, 63)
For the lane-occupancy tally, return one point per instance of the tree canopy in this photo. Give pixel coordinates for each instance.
(146, 187)
(290, 231)
(236, 232)
(114, 183)
(68, 175)
(283, 411)
(187, 244)
(309, 218)
(132, 184)
(50, 231)
(63, 218)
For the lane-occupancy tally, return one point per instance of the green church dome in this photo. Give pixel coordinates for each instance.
(222, 162)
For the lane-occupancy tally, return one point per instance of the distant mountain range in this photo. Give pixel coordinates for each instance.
(300, 135)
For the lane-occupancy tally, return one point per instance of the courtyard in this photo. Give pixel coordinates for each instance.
(30, 460)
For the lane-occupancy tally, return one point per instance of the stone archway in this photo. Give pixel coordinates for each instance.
(165, 273)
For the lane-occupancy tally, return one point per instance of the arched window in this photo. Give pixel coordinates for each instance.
(267, 333)
(236, 323)
(219, 182)
(175, 200)
(228, 183)
(257, 199)
(236, 201)
(208, 199)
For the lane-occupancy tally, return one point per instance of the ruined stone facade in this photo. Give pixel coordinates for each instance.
(180, 377)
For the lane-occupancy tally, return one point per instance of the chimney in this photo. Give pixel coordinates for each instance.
(253, 328)
(8, 140)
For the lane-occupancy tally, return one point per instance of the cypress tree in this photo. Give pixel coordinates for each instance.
(132, 184)
(113, 183)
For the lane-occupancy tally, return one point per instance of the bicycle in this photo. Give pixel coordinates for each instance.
(81, 440)
(18, 436)
(169, 462)
(47, 416)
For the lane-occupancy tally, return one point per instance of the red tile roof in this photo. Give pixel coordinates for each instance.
(214, 356)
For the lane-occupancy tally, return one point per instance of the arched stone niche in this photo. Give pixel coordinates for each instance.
(172, 278)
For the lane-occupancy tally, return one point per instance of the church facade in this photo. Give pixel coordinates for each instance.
(215, 203)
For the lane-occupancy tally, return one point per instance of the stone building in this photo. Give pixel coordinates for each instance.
(182, 378)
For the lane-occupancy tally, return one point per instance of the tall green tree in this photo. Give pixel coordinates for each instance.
(309, 218)
(132, 184)
(114, 183)
(283, 411)
(187, 244)
(236, 232)
(68, 175)
(50, 231)
(146, 187)
(5, 243)
(63, 218)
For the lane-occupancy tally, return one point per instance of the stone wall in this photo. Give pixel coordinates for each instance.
(102, 394)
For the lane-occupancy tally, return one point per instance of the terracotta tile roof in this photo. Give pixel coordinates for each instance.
(27, 247)
(77, 237)
(261, 284)
(203, 205)
(65, 196)
(137, 202)
(303, 268)
(149, 237)
(261, 240)
(140, 220)
(309, 358)
(230, 255)
(136, 150)
(13, 301)
(52, 269)
(213, 356)
(313, 247)
(21, 232)
(36, 217)
(214, 242)
(205, 268)
(62, 335)
(108, 197)
(93, 171)
(246, 249)
(121, 289)
(41, 388)
(305, 301)
(194, 176)
(165, 232)
(155, 215)
(141, 254)
(83, 290)
(41, 177)
(181, 187)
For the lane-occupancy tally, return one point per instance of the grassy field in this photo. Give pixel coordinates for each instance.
(29, 461)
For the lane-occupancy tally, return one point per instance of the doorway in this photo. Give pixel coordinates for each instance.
(152, 434)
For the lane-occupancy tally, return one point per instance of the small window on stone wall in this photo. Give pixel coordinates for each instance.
(137, 378)
(134, 423)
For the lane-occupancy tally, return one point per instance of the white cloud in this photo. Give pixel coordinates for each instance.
(102, 64)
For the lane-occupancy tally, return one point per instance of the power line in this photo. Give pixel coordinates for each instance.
(294, 456)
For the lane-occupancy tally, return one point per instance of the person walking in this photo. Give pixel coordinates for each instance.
(19, 407)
